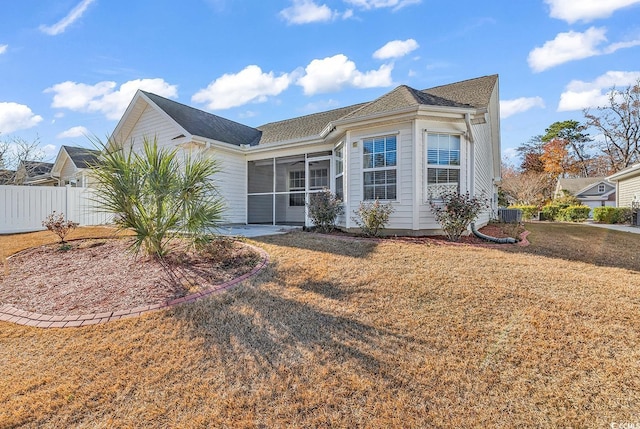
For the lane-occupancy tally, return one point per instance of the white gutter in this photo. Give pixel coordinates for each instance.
(472, 161)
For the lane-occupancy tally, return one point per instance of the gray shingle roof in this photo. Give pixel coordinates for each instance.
(575, 185)
(82, 157)
(204, 124)
(37, 168)
(472, 92)
(303, 126)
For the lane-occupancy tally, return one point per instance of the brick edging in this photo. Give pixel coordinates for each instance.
(11, 314)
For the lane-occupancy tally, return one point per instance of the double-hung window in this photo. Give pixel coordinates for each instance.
(443, 164)
(296, 187)
(379, 168)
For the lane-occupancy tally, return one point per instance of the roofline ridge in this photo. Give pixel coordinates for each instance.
(461, 81)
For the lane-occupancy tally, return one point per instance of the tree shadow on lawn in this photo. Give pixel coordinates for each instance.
(583, 243)
(266, 327)
(337, 245)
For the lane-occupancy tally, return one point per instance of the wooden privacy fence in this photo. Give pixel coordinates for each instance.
(23, 208)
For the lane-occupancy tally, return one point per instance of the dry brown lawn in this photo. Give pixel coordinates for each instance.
(338, 333)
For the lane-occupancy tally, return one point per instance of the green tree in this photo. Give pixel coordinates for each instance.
(157, 194)
(570, 136)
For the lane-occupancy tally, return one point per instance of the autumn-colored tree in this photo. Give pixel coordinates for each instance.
(569, 134)
(619, 123)
(556, 159)
(530, 153)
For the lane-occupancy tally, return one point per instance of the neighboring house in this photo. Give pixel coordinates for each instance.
(72, 166)
(591, 191)
(6, 176)
(405, 147)
(628, 187)
(34, 173)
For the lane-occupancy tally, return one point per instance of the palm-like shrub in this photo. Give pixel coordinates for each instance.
(157, 194)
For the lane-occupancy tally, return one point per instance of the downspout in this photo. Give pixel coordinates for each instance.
(507, 240)
(472, 161)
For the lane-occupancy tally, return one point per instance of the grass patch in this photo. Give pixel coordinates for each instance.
(356, 334)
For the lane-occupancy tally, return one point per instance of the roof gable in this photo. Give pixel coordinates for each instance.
(472, 92)
(82, 157)
(204, 124)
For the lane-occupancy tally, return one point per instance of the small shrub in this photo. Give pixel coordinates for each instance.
(528, 211)
(550, 212)
(455, 212)
(578, 213)
(324, 209)
(59, 226)
(372, 217)
(612, 215)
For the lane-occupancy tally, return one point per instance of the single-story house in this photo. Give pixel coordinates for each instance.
(72, 166)
(627, 186)
(591, 191)
(34, 173)
(405, 147)
(7, 176)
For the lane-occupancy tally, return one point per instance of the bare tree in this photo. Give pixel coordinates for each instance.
(619, 123)
(15, 150)
(529, 187)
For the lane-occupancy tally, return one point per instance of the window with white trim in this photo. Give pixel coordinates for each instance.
(296, 184)
(379, 159)
(339, 168)
(318, 179)
(443, 164)
(601, 188)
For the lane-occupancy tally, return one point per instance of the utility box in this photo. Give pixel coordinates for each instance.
(510, 215)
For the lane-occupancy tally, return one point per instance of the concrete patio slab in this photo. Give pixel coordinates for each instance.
(250, 231)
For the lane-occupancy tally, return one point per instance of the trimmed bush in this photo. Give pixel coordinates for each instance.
(528, 211)
(550, 212)
(612, 215)
(372, 217)
(578, 213)
(455, 212)
(324, 209)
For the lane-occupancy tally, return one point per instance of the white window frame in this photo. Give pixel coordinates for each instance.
(338, 157)
(428, 166)
(385, 168)
(601, 188)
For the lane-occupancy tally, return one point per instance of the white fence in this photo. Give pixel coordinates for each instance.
(23, 208)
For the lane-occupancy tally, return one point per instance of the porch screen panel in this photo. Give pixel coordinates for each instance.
(260, 176)
(260, 209)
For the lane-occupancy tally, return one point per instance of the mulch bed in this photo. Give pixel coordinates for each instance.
(99, 275)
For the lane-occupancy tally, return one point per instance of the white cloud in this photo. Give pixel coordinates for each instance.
(60, 26)
(306, 11)
(585, 10)
(103, 97)
(3, 49)
(580, 95)
(376, 4)
(333, 73)
(396, 49)
(519, 105)
(78, 131)
(249, 85)
(573, 46)
(14, 117)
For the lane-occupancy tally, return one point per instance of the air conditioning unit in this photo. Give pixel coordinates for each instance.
(510, 215)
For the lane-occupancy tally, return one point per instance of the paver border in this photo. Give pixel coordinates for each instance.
(11, 314)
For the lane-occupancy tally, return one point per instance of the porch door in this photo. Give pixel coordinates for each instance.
(318, 174)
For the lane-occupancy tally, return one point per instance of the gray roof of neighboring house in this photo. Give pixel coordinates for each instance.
(82, 157)
(575, 185)
(204, 124)
(37, 168)
(472, 93)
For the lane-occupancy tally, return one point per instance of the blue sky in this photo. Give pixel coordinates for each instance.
(70, 67)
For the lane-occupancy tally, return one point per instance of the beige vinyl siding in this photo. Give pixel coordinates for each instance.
(67, 171)
(232, 184)
(627, 189)
(454, 126)
(483, 166)
(402, 217)
(152, 124)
